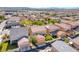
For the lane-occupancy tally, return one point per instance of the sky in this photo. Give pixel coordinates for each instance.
(39, 3)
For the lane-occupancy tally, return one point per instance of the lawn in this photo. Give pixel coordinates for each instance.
(5, 46)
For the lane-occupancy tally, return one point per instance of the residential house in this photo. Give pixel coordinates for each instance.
(37, 29)
(10, 24)
(14, 18)
(73, 24)
(43, 29)
(64, 26)
(52, 29)
(60, 46)
(17, 33)
(76, 42)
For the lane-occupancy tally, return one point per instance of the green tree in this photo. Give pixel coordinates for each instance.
(33, 39)
(53, 21)
(54, 14)
(26, 22)
(66, 40)
(48, 37)
(2, 18)
(38, 22)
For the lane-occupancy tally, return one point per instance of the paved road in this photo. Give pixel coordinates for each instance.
(13, 50)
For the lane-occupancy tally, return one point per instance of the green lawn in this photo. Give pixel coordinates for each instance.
(5, 46)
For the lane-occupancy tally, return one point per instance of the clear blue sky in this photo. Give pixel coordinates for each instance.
(39, 3)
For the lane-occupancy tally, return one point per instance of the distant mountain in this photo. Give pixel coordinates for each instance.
(34, 9)
(63, 7)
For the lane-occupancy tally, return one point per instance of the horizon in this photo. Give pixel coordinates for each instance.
(45, 7)
(40, 3)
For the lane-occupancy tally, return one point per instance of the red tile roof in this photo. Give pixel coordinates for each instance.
(63, 26)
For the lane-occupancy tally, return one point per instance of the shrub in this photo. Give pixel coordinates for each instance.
(54, 14)
(25, 22)
(53, 21)
(2, 18)
(66, 40)
(33, 40)
(4, 46)
(54, 36)
(38, 23)
(48, 37)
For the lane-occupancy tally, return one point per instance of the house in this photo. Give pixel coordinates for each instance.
(61, 34)
(67, 18)
(12, 21)
(43, 29)
(60, 46)
(76, 23)
(10, 24)
(77, 29)
(52, 27)
(64, 26)
(37, 29)
(76, 42)
(8, 16)
(14, 18)
(17, 33)
(73, 24)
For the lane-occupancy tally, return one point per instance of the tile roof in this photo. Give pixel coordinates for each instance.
(52, 27)
(64, 26)
(73, 24)
(60, 46)
(76, 42)
(16, 33)
(36, 29)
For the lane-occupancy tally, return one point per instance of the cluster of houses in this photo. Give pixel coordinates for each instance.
(20, 35)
